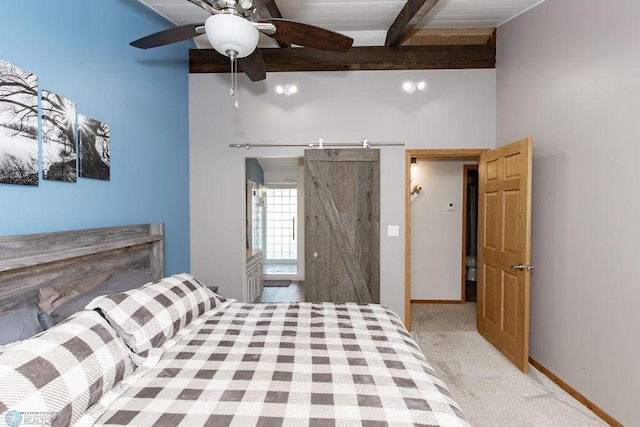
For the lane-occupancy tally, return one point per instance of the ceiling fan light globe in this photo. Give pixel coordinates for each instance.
(231, 33)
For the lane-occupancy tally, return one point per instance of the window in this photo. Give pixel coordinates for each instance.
(282, 211)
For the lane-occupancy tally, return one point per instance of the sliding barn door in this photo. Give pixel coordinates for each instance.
(504, 235)
(342, 225)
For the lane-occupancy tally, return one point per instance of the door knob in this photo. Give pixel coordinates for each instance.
(315, 254)
(522, 267)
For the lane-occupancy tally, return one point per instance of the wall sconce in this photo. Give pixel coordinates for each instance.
(287, 89)
(412, 87)
(413, 171)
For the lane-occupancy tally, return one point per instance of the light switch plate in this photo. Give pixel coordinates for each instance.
(393, 230)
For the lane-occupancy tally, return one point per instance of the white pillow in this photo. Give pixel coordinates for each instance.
(147, 317)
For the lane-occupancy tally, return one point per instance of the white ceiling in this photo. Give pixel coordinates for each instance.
(367, 21)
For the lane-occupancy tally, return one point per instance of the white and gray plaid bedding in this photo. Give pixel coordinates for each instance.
(54, 377)
(303, 364)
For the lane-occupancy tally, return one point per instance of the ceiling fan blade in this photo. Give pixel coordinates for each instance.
(172, 35)
(309, 36)
(253, 66)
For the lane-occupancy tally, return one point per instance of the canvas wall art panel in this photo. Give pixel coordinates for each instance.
(58, 138)
(18, 125)
(95, 153)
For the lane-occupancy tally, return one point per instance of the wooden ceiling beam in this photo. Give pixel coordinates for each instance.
(450, 36)
(358, 58)
(407, 19)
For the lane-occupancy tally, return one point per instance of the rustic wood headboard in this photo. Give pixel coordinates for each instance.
(31, 261)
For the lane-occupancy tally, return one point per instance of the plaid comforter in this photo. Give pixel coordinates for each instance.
(302, 364)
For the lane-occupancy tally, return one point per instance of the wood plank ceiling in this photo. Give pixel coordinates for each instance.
(388, 35)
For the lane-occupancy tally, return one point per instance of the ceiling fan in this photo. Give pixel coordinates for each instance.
(233, 30)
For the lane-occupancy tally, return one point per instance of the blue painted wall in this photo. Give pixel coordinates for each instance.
(80, 49)
(254, 171)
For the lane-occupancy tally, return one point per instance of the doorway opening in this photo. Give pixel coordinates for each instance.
(275, 207)
(470, 233)
(445, 154)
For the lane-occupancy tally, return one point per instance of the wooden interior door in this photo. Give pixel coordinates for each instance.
(342, 225)
(504, 235)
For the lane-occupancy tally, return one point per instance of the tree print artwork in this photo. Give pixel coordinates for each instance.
(94, 148)
(58, 138)
(18, 125)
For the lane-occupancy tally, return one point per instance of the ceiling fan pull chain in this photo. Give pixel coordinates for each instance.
(235, 83)
(233, 56)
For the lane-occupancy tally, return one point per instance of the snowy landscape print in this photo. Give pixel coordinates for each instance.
(58, 138)
(18, 125)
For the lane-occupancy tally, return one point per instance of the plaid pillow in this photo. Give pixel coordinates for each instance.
(58, 375)
(147, 317)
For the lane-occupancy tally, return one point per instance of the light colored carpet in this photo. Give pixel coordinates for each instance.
(490, 390)
(443, 317)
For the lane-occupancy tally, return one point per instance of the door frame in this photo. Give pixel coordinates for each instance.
(300, 276)
(422, 153)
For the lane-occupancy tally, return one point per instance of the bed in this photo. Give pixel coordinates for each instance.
(174, 353)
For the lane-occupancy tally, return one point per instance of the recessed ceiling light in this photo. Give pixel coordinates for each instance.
(411, 86)
(287, 89)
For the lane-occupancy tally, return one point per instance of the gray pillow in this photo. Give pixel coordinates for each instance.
(45, 319)
(119, 282)
(22, 324)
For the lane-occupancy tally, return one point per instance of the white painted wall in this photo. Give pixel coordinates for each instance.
(278, 176)
(568, 75)
(436, 233)
(456, 111)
